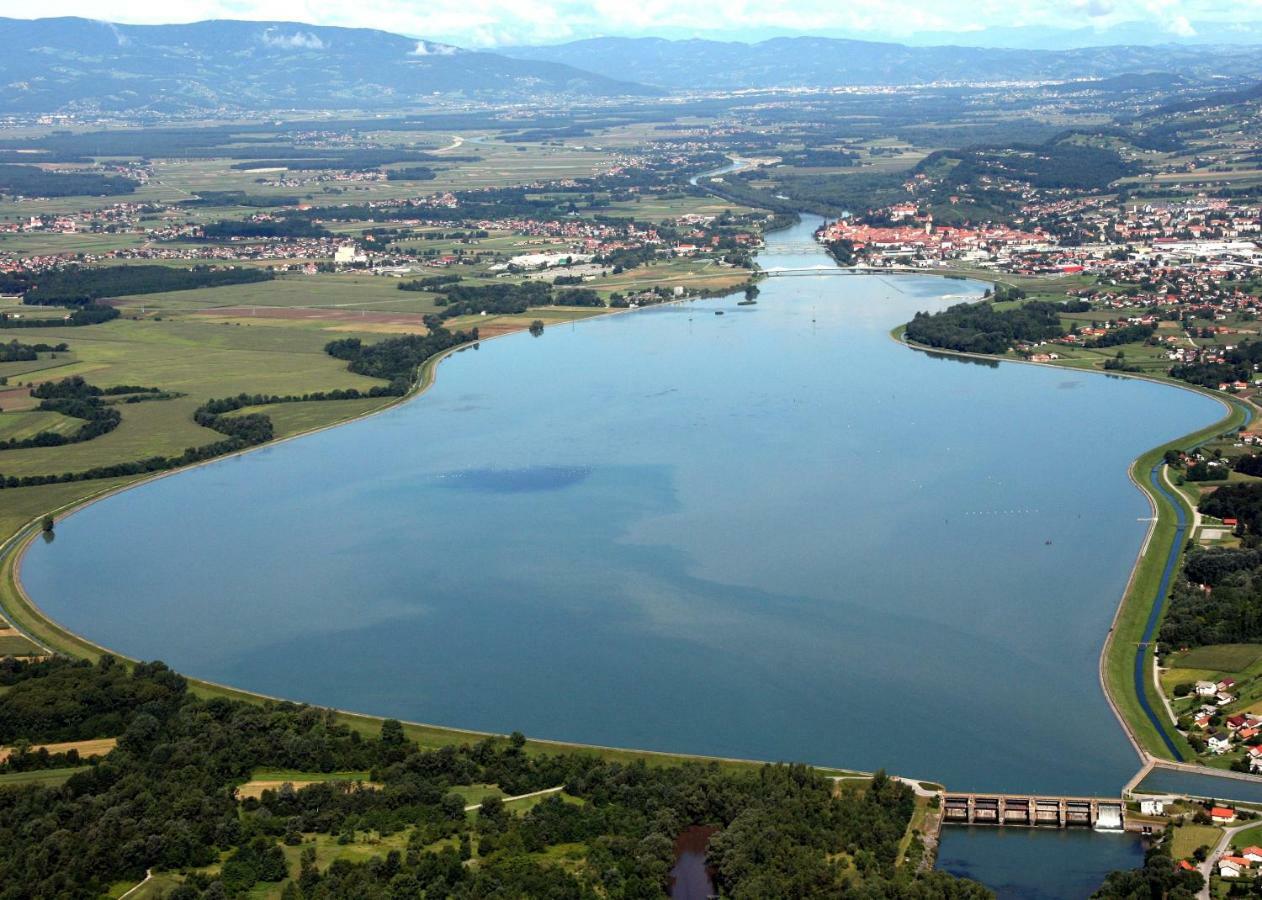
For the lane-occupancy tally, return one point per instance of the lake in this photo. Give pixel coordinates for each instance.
(774, 534)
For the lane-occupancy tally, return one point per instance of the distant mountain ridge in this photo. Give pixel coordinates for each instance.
(830, 62)
(73, 63)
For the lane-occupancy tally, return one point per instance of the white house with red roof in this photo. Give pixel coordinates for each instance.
(1232, 866)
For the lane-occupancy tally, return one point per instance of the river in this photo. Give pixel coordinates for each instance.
(774, 534)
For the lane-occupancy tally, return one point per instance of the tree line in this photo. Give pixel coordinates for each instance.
(1159, 878)
(1237, 365)
(164, 800)
(83, 286)
(88, 314)
(77, 399)
(19, 352)
(504, 298)
(395, 360)
(32, 181)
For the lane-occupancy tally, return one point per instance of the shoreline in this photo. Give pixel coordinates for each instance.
(14, 549)
(1237, 412)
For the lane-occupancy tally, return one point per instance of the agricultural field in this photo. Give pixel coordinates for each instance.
(1227, 659)
(14, 644)
(85, 749)
(41, 777)
(354, 290)
(48, 244)
(1188, 837)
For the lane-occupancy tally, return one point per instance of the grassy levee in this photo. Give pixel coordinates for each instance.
(1118, 659)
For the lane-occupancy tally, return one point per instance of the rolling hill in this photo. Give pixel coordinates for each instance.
(70, 64)
(829, 62)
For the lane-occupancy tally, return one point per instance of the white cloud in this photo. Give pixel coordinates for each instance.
(426, 48)
(1179, 25)
(298, 40)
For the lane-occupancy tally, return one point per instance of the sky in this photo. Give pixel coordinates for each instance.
(489, 23)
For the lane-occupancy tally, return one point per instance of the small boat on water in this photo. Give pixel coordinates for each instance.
(747, 303)
(718, 312)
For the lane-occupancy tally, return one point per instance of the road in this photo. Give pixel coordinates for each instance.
(472, 806)
(916, 787)
(1208, 866)
(148, 875)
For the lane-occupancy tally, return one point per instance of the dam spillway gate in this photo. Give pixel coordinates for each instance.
(1104, 814)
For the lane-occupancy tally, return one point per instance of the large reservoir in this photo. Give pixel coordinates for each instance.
(774, 533)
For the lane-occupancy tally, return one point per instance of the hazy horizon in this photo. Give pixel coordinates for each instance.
(1030, 24)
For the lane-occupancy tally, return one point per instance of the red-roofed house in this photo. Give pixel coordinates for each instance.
(1221, 814)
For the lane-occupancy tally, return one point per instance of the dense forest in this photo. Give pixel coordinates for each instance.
(1050, 166)
(973, 184)
(1217, 599)
(32, 181)
(231, 229)
(980, 328)
(82, 286)
(164, 799)
(412, 173)
(1242, 502)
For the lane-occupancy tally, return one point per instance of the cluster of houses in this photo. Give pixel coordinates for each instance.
(1246, 863)
(923, 239)
(561, 241)
(1055, 234)
(1241, 729)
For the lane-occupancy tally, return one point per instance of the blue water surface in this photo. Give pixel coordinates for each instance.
(774, 533)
